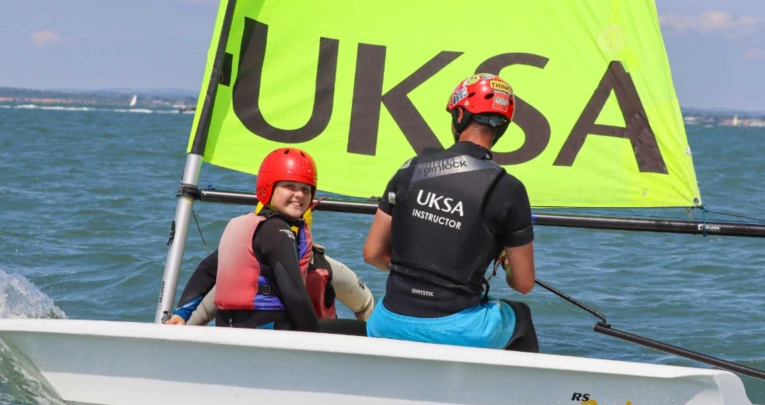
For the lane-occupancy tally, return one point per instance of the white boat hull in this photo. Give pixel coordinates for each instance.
(103, 362)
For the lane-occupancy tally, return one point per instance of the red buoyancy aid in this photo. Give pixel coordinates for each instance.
(239, 270)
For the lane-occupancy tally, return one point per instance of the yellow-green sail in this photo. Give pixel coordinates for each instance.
(363, 86)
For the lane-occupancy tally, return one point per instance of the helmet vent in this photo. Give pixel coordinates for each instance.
(471, 94)
(488, 96)
(302, 154)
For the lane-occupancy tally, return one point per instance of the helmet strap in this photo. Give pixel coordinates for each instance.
(499, 133)
(497, 123)
(460, 126)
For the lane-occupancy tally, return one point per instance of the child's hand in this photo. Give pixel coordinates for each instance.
(175, 320)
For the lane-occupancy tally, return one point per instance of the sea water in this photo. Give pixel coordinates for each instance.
(87, 197)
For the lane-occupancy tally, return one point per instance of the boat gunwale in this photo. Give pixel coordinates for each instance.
(349, 345)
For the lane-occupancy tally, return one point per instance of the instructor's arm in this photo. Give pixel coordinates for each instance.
(520, 272)
(377, 249)
(517, 239)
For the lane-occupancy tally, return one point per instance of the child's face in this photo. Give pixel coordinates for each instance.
(291, 198)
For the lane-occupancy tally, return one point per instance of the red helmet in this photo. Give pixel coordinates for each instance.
(485, 97)
(285, 164)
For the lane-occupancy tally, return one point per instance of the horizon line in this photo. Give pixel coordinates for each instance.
(156, 89)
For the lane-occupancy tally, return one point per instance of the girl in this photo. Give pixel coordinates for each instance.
(265, 257)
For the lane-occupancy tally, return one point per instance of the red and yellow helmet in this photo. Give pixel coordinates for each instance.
(485, 97)
(285, 164)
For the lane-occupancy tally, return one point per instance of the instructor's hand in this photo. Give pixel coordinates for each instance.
(175, 320)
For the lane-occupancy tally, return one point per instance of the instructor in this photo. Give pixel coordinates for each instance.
(444, 216)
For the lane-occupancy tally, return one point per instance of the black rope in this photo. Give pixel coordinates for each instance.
(566, 297)
(200, 231)
(736, 215)
(605, 328)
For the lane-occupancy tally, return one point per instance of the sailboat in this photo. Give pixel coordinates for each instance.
(133, 100)
(362, 87)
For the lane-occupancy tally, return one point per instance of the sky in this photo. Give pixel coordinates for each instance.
(716, 48)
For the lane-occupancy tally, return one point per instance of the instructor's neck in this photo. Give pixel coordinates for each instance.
(477, 137)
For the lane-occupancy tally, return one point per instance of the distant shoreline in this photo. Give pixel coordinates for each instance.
(186, 101)
(179, 99)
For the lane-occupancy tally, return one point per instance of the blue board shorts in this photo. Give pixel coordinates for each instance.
(488, 325)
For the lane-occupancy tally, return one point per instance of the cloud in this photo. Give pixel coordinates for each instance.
(42, 38)
(716, 22)
(754, 54)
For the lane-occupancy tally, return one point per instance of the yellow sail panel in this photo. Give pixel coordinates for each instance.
(363, 86)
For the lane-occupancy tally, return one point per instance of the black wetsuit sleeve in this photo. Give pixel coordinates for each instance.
(517, 229)
(397, 185)
(274, 245)
(202, 280)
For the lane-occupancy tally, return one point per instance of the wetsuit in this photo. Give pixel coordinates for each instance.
(349, 289)
(453, 218)
(275, 248)
(347, 286)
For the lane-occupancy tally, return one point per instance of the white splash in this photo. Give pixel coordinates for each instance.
(20, 381)
(19, 298)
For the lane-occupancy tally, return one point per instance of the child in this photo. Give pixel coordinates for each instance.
(263, 257)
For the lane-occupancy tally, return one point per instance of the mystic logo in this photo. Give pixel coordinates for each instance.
(709, 227)
(288, 233)
(422, 292)
(433, 200)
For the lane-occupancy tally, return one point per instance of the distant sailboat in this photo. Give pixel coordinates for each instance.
(133, 101)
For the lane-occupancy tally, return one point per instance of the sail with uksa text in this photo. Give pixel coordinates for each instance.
(363, 87)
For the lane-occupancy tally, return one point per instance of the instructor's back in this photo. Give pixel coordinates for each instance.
(444, 216)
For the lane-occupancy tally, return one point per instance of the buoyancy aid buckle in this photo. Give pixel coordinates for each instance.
(266, 290)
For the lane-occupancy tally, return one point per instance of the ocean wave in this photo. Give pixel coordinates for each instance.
(68, 108)
(53, 107)
(135, 110)
(21, 382)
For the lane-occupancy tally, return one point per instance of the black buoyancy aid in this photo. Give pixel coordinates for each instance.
(438, 233)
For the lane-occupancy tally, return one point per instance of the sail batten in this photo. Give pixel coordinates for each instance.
(364, 86)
